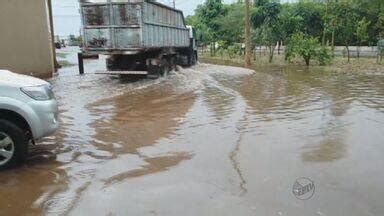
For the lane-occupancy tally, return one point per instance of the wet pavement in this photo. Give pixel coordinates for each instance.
(207, 140)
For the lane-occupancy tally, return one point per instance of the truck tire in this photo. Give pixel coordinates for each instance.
(157, 71)
(13, 145)
(154, 71)
(192, 59)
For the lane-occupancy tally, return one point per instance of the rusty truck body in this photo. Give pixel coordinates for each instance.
(139, 36)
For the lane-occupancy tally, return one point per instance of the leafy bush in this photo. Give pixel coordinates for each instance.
(234, 50)
(221, 52)
(308, 48)
(324, 55)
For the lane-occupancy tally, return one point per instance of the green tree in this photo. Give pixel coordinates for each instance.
(361, 33)
(230, 28)
(370, 10)
(247, 27)
(330, 20)
(332, 23)
(259, 3)
(265, 20)
(306, 47)
(289, 23)
(326, 23)
(346, 29)
(380, 24)
(203, 33)
(312, 14)
(208, 14)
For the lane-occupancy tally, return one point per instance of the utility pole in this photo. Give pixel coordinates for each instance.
(174, 3)
(247, 34)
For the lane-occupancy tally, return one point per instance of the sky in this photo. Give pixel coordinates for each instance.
(66, 15)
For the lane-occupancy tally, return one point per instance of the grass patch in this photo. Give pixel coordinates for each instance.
(339, 64)
(362, 65)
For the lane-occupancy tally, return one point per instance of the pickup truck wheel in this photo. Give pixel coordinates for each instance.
(13, 145)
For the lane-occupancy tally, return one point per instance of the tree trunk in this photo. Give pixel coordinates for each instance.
(271, 52)
(349, 55)
(323, 39)
(358, 52)
(333, 42)
(307, 61)
(270, 60)
(247, 34)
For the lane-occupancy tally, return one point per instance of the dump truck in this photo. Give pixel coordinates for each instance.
(140, 37)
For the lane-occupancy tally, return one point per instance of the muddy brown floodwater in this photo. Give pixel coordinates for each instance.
(208, 140)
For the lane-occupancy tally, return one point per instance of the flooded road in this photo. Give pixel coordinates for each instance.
(208, 140)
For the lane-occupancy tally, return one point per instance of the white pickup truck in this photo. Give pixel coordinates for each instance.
(28, 112)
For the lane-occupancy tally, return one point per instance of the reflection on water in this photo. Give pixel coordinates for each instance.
(326, 150)
(154, 165)
(219, 137)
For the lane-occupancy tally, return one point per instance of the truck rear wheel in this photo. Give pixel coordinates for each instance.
(192, 59)
(13, 145)
(158, 67)
(194, 62)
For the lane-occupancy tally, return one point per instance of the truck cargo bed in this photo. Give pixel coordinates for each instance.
(131, 25)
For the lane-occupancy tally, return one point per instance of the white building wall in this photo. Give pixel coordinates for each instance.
(25, 39)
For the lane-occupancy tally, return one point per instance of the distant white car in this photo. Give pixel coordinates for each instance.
(28, 112)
